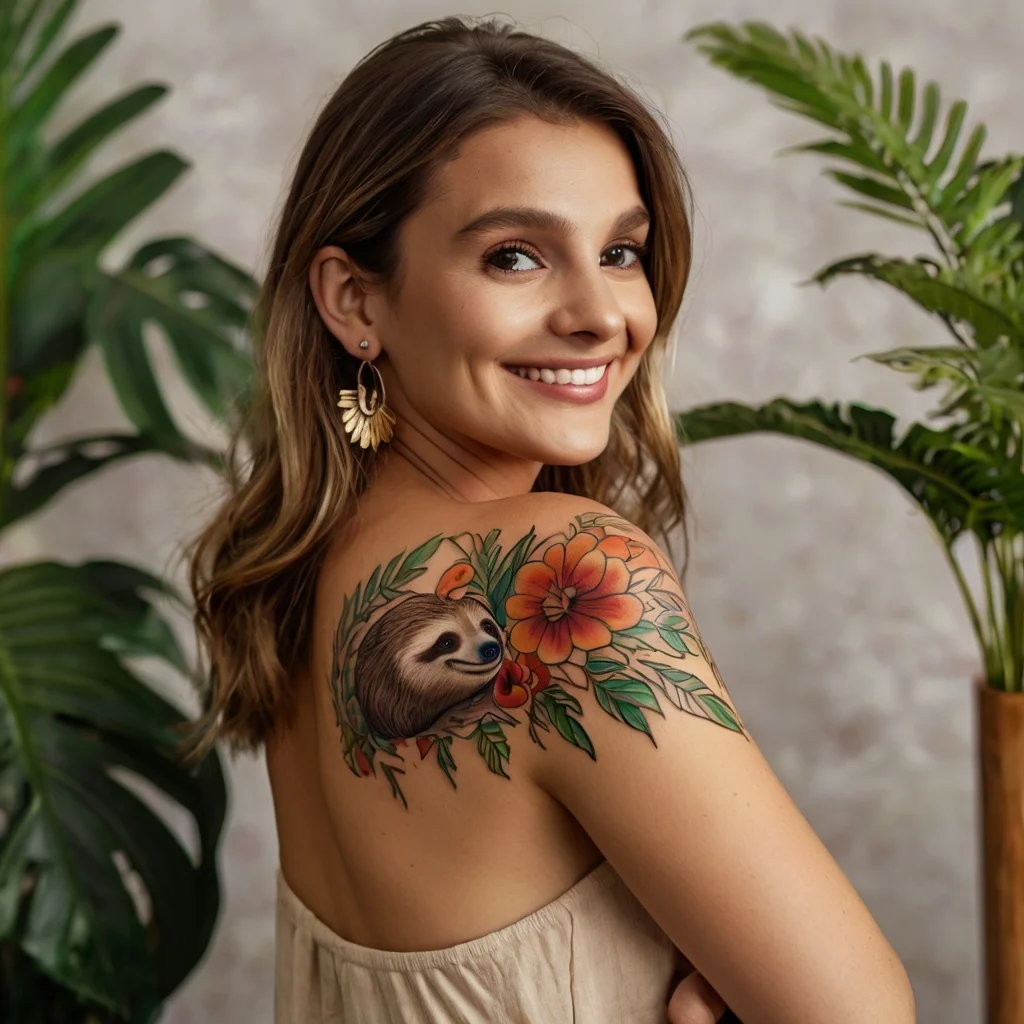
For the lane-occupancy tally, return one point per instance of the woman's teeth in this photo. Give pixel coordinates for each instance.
(591, 376)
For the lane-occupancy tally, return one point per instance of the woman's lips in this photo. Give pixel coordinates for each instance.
(566, 392)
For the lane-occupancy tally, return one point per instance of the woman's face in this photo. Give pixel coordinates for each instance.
(516, 332)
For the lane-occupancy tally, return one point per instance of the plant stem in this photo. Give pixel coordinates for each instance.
(1002, 636)
(930, 218)
(1002, 660)
(1017, 565)
(991, 645)
(1009, 564)
(1005, 558)
(965, 592)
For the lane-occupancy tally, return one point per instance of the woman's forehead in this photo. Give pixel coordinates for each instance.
(559, 178)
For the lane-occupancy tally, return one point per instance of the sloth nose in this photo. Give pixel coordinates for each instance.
(490, 650)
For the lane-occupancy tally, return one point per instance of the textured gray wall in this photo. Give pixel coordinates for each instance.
(828, 605)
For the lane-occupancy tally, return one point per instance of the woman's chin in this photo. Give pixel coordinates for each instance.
(570, 451)
(549, 443)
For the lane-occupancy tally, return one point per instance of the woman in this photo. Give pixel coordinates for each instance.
(509, 782)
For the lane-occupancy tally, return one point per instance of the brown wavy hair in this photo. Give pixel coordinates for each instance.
(367, 164)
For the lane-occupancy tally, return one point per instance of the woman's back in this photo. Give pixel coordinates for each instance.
(461, 860)
(384, 883)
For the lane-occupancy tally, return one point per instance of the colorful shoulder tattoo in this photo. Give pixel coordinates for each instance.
(509, 635)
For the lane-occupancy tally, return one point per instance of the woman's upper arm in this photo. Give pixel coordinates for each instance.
(660, 771)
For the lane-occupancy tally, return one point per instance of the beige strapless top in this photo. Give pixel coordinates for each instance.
(592, 956)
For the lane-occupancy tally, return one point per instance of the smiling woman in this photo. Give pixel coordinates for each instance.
(509, 781)
(569, 292)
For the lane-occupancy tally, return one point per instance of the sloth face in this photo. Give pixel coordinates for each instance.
(422, 658)
(472, 649)
(460, 648)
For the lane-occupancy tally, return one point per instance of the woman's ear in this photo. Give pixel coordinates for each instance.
(341, 301)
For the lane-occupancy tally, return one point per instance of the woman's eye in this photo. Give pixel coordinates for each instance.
(510, 254)
(636, 250)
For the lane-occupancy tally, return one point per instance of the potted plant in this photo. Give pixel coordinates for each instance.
(103, 911)
(965, 471)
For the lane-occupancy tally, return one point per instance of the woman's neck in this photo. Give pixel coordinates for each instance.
(420, 457)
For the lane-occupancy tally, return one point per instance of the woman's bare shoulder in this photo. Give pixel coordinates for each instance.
(426, 655)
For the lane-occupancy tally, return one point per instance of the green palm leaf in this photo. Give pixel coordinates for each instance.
(910, 168)
(46, 340)
(984, 385)
(950, 294)
(971, 211)
(912, 160)
(73, 716)
(29, 113)
(959, 487)
(92, 220)
(41, 175)
(39, 22)
(200, 302)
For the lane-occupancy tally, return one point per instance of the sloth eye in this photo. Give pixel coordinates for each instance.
(490, 627)
(447, 642)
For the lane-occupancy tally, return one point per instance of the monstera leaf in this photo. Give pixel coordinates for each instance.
(76, 726)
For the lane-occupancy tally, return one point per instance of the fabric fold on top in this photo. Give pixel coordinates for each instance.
(591, 956)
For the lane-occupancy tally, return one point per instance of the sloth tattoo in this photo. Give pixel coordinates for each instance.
(517, 631)
(421, 658)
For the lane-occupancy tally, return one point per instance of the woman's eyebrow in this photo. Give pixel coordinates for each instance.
(543, 220)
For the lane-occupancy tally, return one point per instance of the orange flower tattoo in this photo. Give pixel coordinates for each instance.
(575, 597)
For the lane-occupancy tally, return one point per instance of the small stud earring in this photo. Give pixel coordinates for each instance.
(364, 344)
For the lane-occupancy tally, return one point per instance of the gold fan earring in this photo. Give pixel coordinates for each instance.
(366, 419)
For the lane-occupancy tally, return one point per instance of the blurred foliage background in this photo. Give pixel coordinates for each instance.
(104, 910)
